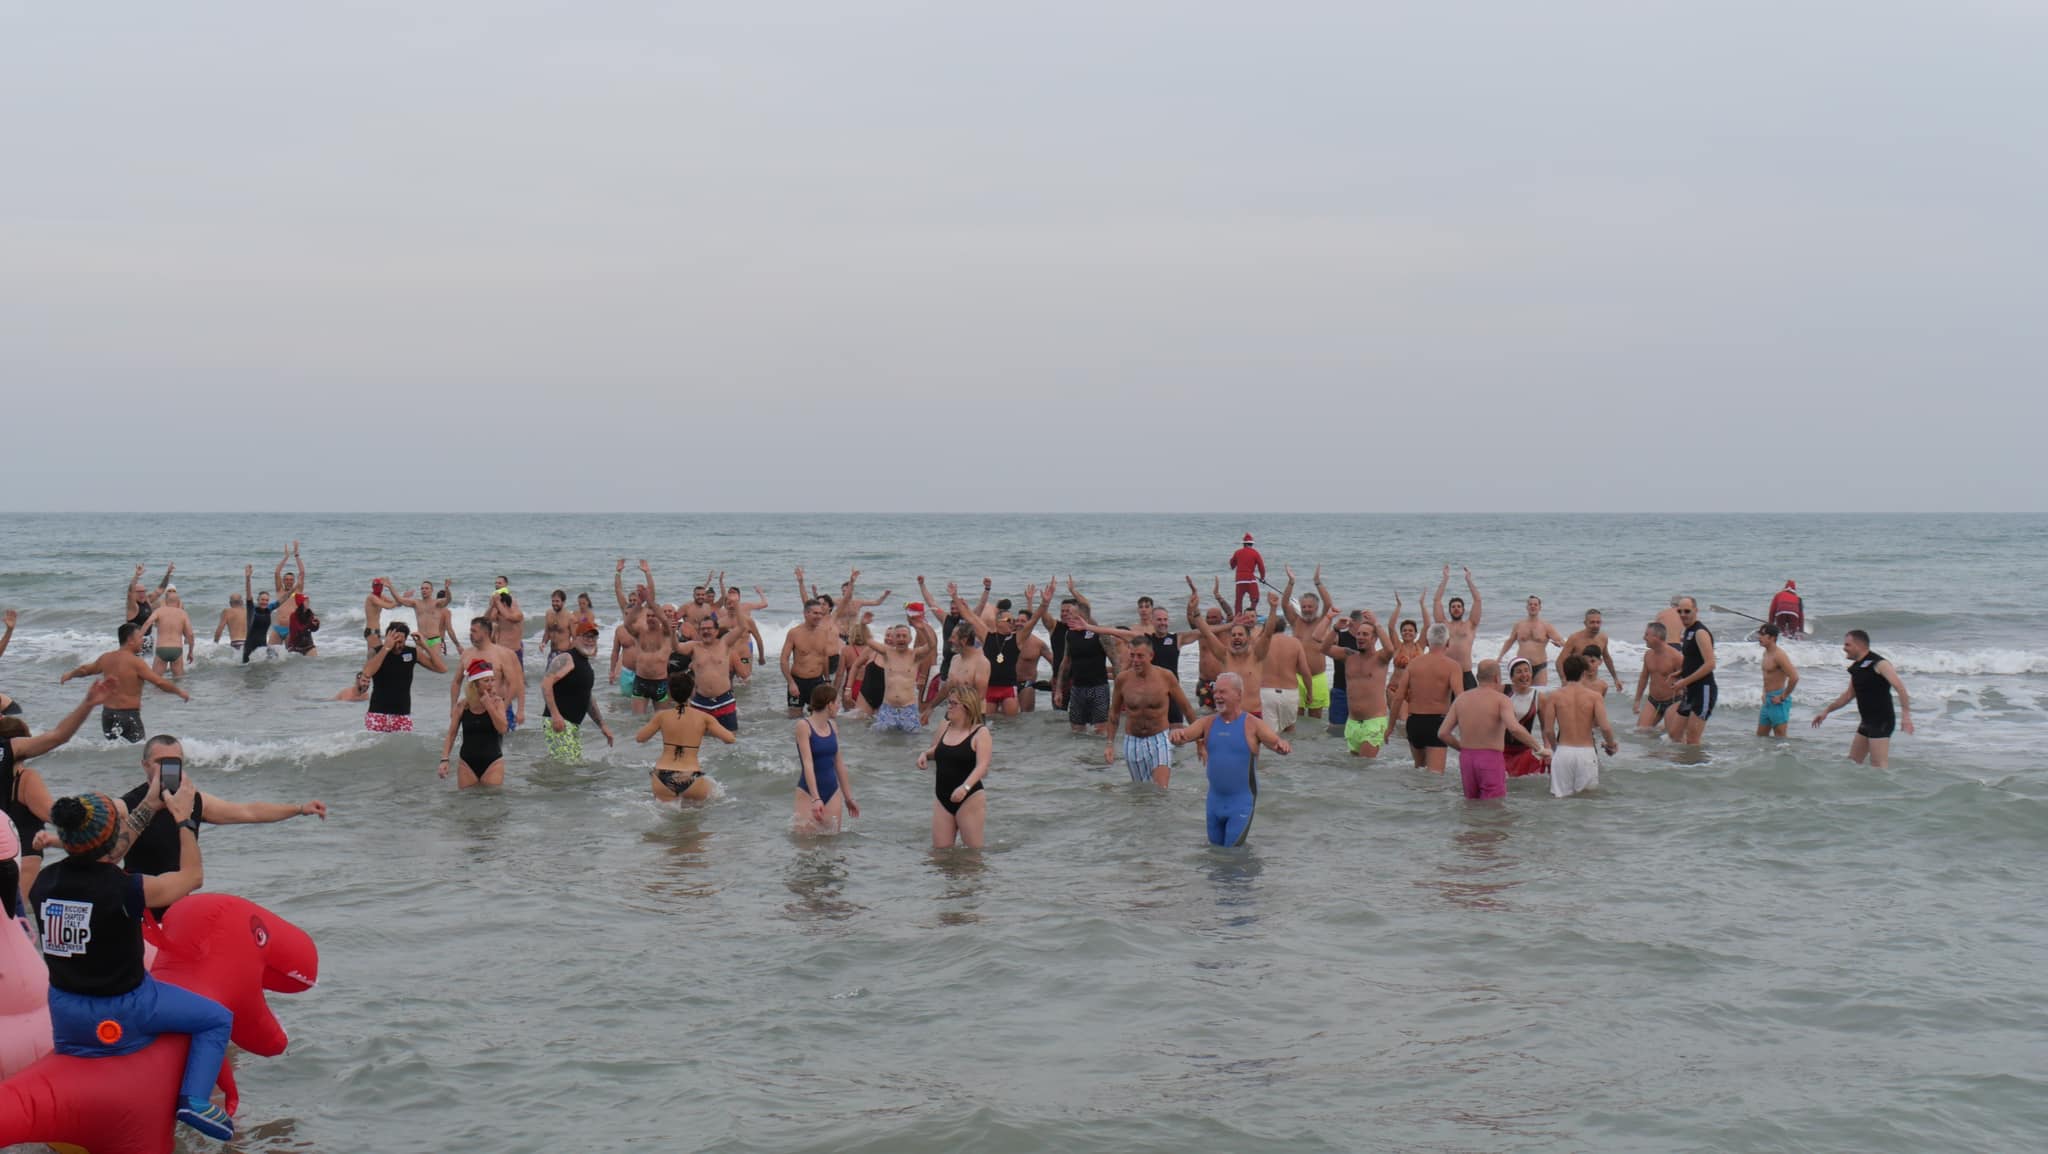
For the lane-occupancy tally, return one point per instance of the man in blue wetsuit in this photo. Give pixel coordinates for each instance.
(1234, 738)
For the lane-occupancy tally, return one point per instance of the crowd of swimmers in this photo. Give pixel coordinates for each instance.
(1306, 664)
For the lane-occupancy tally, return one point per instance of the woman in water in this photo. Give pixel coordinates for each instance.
(479, 716)
(855, 661)
(676, 775)
(961, 753)
(823, 789)
(1526, 697)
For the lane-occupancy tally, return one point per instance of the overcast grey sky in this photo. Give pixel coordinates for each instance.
(1125, 256)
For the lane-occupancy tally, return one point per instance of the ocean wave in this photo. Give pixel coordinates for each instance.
(228, 755)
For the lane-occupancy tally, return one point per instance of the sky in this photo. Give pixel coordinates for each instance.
(1583, 256)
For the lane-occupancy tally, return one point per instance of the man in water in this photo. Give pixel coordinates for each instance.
(259, 634)
(388, 673)
(565, 693)
(154, 850)
(554, 627)
(1146, 692)
(1781, 677)
(234, 620)
(1233, 738)
(141, 602)
(1427, 694)
(1208, 659)
(1365, 667)
(1313, 687)
(1697, 690)
(1577, 709)
(172, 628)
(743, 612)
(1593, 633)
(1532, 638)
(382, 595)
(1461, 627)
(899, 661)
(1250, 569)
(1478, 725)
(713, 663)
(1669, 619)
(1659, 680)
(125, 672)
(1085, 669)
(1284, 670)
(1872, 681)
(1788, 611)
(1242, 651)
(807, 651)
(284, 588)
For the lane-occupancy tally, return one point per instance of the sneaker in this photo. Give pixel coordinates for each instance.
(206, 1118)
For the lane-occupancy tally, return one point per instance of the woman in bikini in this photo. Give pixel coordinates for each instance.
(961, 754)
(677, 775)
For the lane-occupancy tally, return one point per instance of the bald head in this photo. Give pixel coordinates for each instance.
(1489, 672)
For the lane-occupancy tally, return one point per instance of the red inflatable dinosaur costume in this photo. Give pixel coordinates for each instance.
(226, 948)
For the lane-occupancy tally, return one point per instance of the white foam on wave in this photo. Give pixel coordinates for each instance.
(228, 755)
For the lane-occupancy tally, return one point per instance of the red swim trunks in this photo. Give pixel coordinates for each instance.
(387, 723)
(996, 693)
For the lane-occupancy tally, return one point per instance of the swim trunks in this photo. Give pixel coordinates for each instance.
(1878, 728)
(1365, 731)
(1422, 730)
(169, 654)
(901, 718)
(996, 693)
(627, 678)
(1484, 771)
(1471, 680)
(235, 644)
(1314, 694)
(1205, 693)
(801, 699)
(387, 722)
(1699, 700)
(1775, 713)
(1087, 705)
(511, 716)
(724, 708)
(1340, 706)
(1661, 706)
(650, 688)
(566, 745)
(1573, 768)
(1279, 707)
(126, 722)
(1142, 755)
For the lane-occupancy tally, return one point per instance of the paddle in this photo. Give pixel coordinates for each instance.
(1737, 612)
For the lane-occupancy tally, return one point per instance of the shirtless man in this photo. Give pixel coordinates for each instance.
(433, 624)
(284, 588)
(998, 637)
(1781, 677)
(1668, 618)
(971, 667)
(807, 651)
(1532, 638)
(124, 672)
(1239, 650)
(1461, 627)
(1284, 670)
(1572, 714)
(1427, 694)
(508, 622)
(1658, 680)
(1409, 648)
(743, 612)
(555, 626)
(508, 673)
(699, 608)
(1146, 692)
(1311, 629)
(1365, 678)
(1594, 634)
(713, 662)
(899, 660)
(234, 621)
(172, 628)
(382, 595)
(1478, 726)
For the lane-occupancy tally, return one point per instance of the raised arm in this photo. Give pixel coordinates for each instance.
(1081, 599)
(1438, 603)
(649, 574)
(619, 586)
(1322, 591)
(1472, 587)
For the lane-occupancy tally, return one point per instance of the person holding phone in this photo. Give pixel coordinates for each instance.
(88, 919)
(154, 849)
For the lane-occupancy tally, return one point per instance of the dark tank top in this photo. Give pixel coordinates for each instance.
(1001, 651)
(1873, 692)
(1691, 657)
(572, 692)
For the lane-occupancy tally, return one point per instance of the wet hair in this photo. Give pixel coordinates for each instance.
(128, 629)
(822, 697)
(1439, 634)
(1590, 653)
(400, 628)
(1861, 637)
(155, 743)
(1657, 630)
(1767, 630)
(1573, 667)
(680, 686)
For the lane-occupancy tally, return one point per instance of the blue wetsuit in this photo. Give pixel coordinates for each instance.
(824, 762)
(1233, 781)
